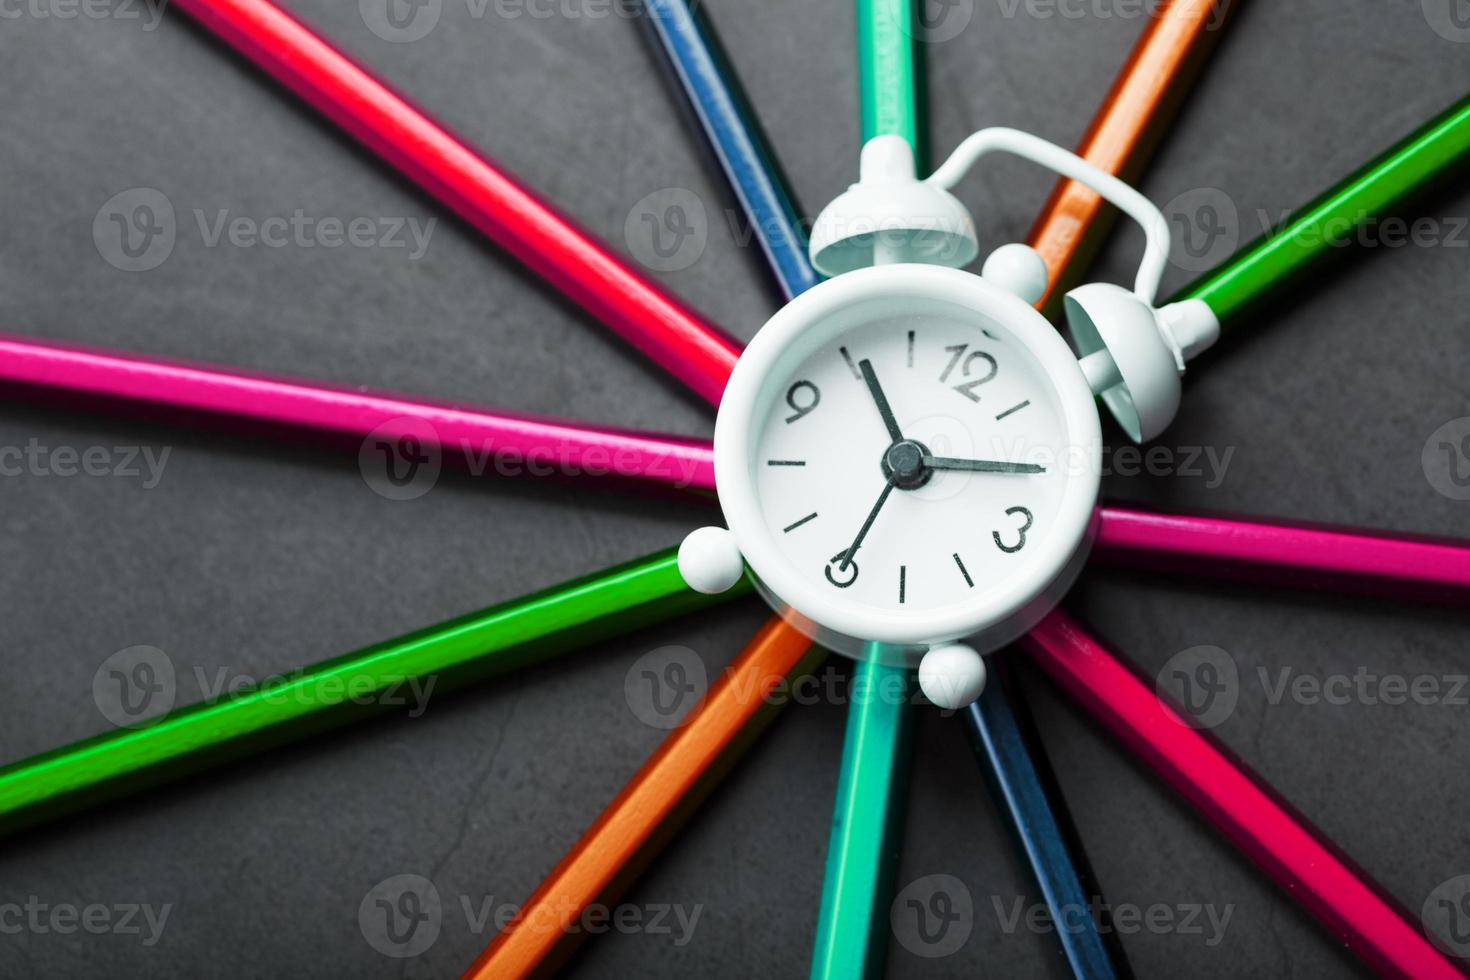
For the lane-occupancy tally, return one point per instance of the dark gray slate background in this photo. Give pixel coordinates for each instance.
(253, 558)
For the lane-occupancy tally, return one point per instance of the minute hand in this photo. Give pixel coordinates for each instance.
(980, 465)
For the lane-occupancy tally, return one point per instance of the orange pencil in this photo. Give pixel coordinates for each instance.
(1123, 134)
(651, 807)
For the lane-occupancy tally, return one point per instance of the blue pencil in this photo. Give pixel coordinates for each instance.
(694, 53)
(1020, 778)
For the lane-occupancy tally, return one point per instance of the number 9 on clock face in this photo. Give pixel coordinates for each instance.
(909, 455)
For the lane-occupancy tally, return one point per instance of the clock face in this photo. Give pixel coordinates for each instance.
(962, 393)
(908, 454)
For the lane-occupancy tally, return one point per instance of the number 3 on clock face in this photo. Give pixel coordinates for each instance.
(909, 466)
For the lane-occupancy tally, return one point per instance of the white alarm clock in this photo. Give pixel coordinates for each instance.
(908, 455)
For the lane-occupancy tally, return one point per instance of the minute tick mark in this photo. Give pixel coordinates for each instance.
(851, 366)
(963, 570)
(792, 527)
(785, 462)
(1013, 409)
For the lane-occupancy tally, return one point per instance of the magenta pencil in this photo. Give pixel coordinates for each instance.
(1241, 806)
(1313, 555)
(488, 441)
(678, 339)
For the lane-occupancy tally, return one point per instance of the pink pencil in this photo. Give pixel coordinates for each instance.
(470, 184)
(1317, 556)
(484, 440)
(1293, 852)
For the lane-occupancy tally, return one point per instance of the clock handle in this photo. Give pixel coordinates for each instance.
(1068, 164)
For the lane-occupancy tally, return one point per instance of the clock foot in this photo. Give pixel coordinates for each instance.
(710, 561)
(952, 676)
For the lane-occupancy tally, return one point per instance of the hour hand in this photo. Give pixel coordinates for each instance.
(876, 390)
(980, 465)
